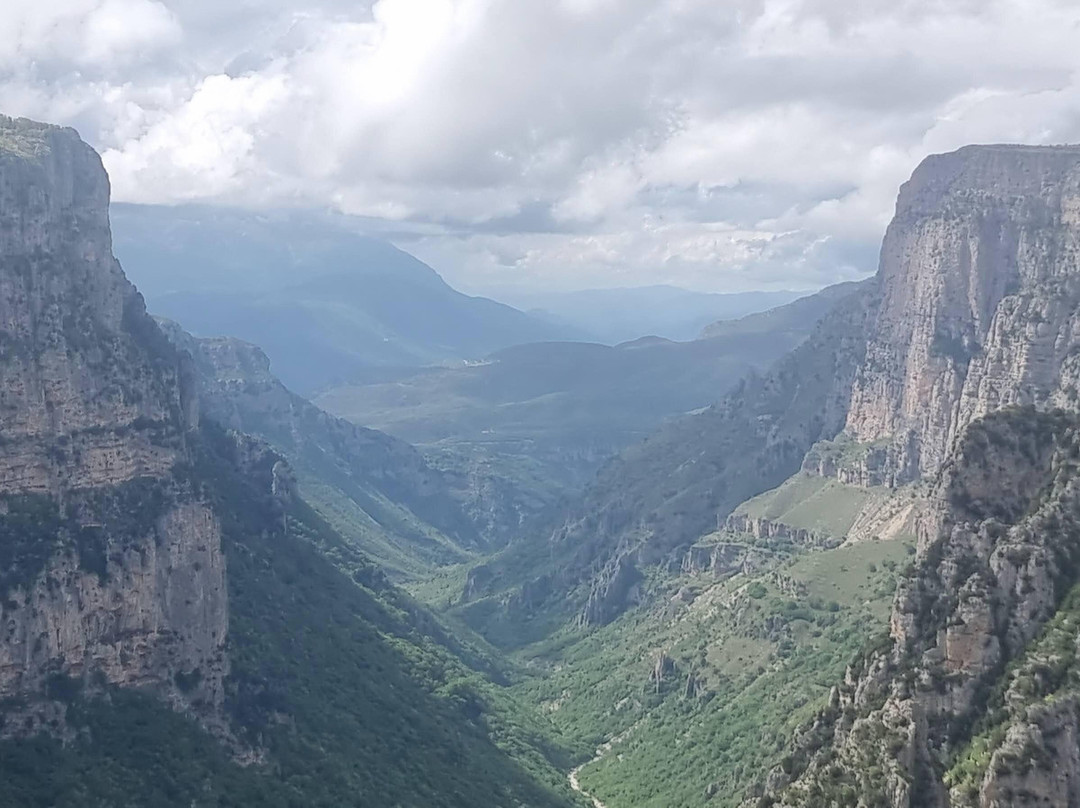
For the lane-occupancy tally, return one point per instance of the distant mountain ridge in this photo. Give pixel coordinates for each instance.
(325, 302)
(790, 317)
(617, 315)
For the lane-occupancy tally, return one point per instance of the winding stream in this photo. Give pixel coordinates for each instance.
(602, 750)
(574, 784)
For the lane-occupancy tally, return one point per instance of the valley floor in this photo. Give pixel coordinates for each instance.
(690, 699)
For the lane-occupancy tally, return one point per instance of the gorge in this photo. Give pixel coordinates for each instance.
(849, 581)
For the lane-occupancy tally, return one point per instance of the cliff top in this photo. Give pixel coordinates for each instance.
(25, 138)
(994, 170)
(68, 181)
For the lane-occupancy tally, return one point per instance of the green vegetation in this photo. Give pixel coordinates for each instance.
(377, 491)
(135, 751)
(33, 529)
(352, 687)
(853, 573)
(25, 139)
(744, 662)
(506, 613)
(535, 422)
(344, 685)
(1047, 672)
(959, 349)
(694, 696)
(403, 545)
(30, 532)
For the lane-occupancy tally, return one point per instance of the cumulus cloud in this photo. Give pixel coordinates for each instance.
(207, 147)
(745, 144)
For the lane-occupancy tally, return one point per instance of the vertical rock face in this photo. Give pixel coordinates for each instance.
(81, 359)
(979, 291)
(971, 374)
(112, 565)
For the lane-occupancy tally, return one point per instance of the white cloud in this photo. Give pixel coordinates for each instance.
(206, 148)
(84, 33)
(580, 142)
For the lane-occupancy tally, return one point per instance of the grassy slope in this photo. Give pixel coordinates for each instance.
(811, 502)
(386, 528)
(408, 557)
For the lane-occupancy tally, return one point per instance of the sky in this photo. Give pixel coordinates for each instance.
(553, 144)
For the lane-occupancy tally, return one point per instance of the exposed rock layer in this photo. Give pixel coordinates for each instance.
(998, 549)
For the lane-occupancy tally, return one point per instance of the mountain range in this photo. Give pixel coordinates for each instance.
(544, 417)
(619, 315)
(326, 303)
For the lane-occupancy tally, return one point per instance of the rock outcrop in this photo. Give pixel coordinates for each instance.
(764, 529)
(863, 464)
(999, 548)
(113, 570)
(385, 478)
(724, 558)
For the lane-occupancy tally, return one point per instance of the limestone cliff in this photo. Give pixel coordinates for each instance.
(112, 568)
(980, 295)
(979, 300)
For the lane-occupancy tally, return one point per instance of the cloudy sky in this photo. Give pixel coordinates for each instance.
(554, 143)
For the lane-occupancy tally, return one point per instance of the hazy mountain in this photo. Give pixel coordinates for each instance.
(323, 301)
(619, 315)
(794, 318)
